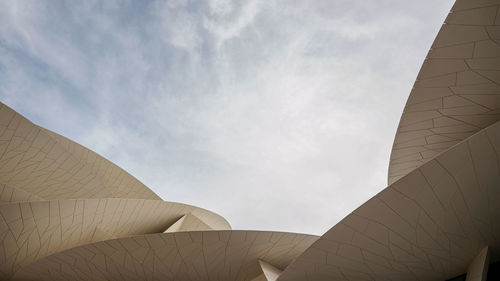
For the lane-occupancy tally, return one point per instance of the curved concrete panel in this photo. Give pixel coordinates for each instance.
(10, 194)
(201, 255)
(437, 219)
(35, 229)
(50, 166)
(457, 92)
(429, 225)
(186, 223)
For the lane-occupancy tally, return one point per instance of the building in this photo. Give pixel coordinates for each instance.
(66, 213)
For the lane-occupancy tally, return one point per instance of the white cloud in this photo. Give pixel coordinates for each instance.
(181, 29)
(220, 7)
(224, 22)
(277, 114)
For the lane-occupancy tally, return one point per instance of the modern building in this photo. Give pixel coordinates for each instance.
(67, 213)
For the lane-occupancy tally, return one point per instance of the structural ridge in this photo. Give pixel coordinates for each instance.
(67, 213)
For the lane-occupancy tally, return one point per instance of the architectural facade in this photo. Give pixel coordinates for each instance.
(67, 213)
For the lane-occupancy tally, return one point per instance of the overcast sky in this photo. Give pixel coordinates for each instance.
(278, 115)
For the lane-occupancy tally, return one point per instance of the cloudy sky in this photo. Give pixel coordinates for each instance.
(278, 115)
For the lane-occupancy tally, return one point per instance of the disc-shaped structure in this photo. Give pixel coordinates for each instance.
(10, 194)
(429, 225)
(49, 166)
(199, 255)
(67, 213)
(457, 92)
(35, 229)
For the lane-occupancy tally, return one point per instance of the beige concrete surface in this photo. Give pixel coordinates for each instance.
(457, 92)
(188, 222)
(67, 213)
(199, 255)
(429, 225)
(9, 194)
(478, 269)
(50, 166)
(35, 229)
(268, 272)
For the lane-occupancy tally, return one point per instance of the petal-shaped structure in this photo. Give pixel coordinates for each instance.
(429, 225)
(457, 92)
(12, 194)
(439, 215)
(67, 213)
(201, 255)
(49, 166)
(42, 175)
(269, 272)
(35, 229)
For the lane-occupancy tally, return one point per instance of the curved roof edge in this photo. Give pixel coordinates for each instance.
(196, 255)
(50, 166)
(429, 225)
(47, 227)
(457, 91)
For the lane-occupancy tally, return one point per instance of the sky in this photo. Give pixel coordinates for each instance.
(278, 115)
